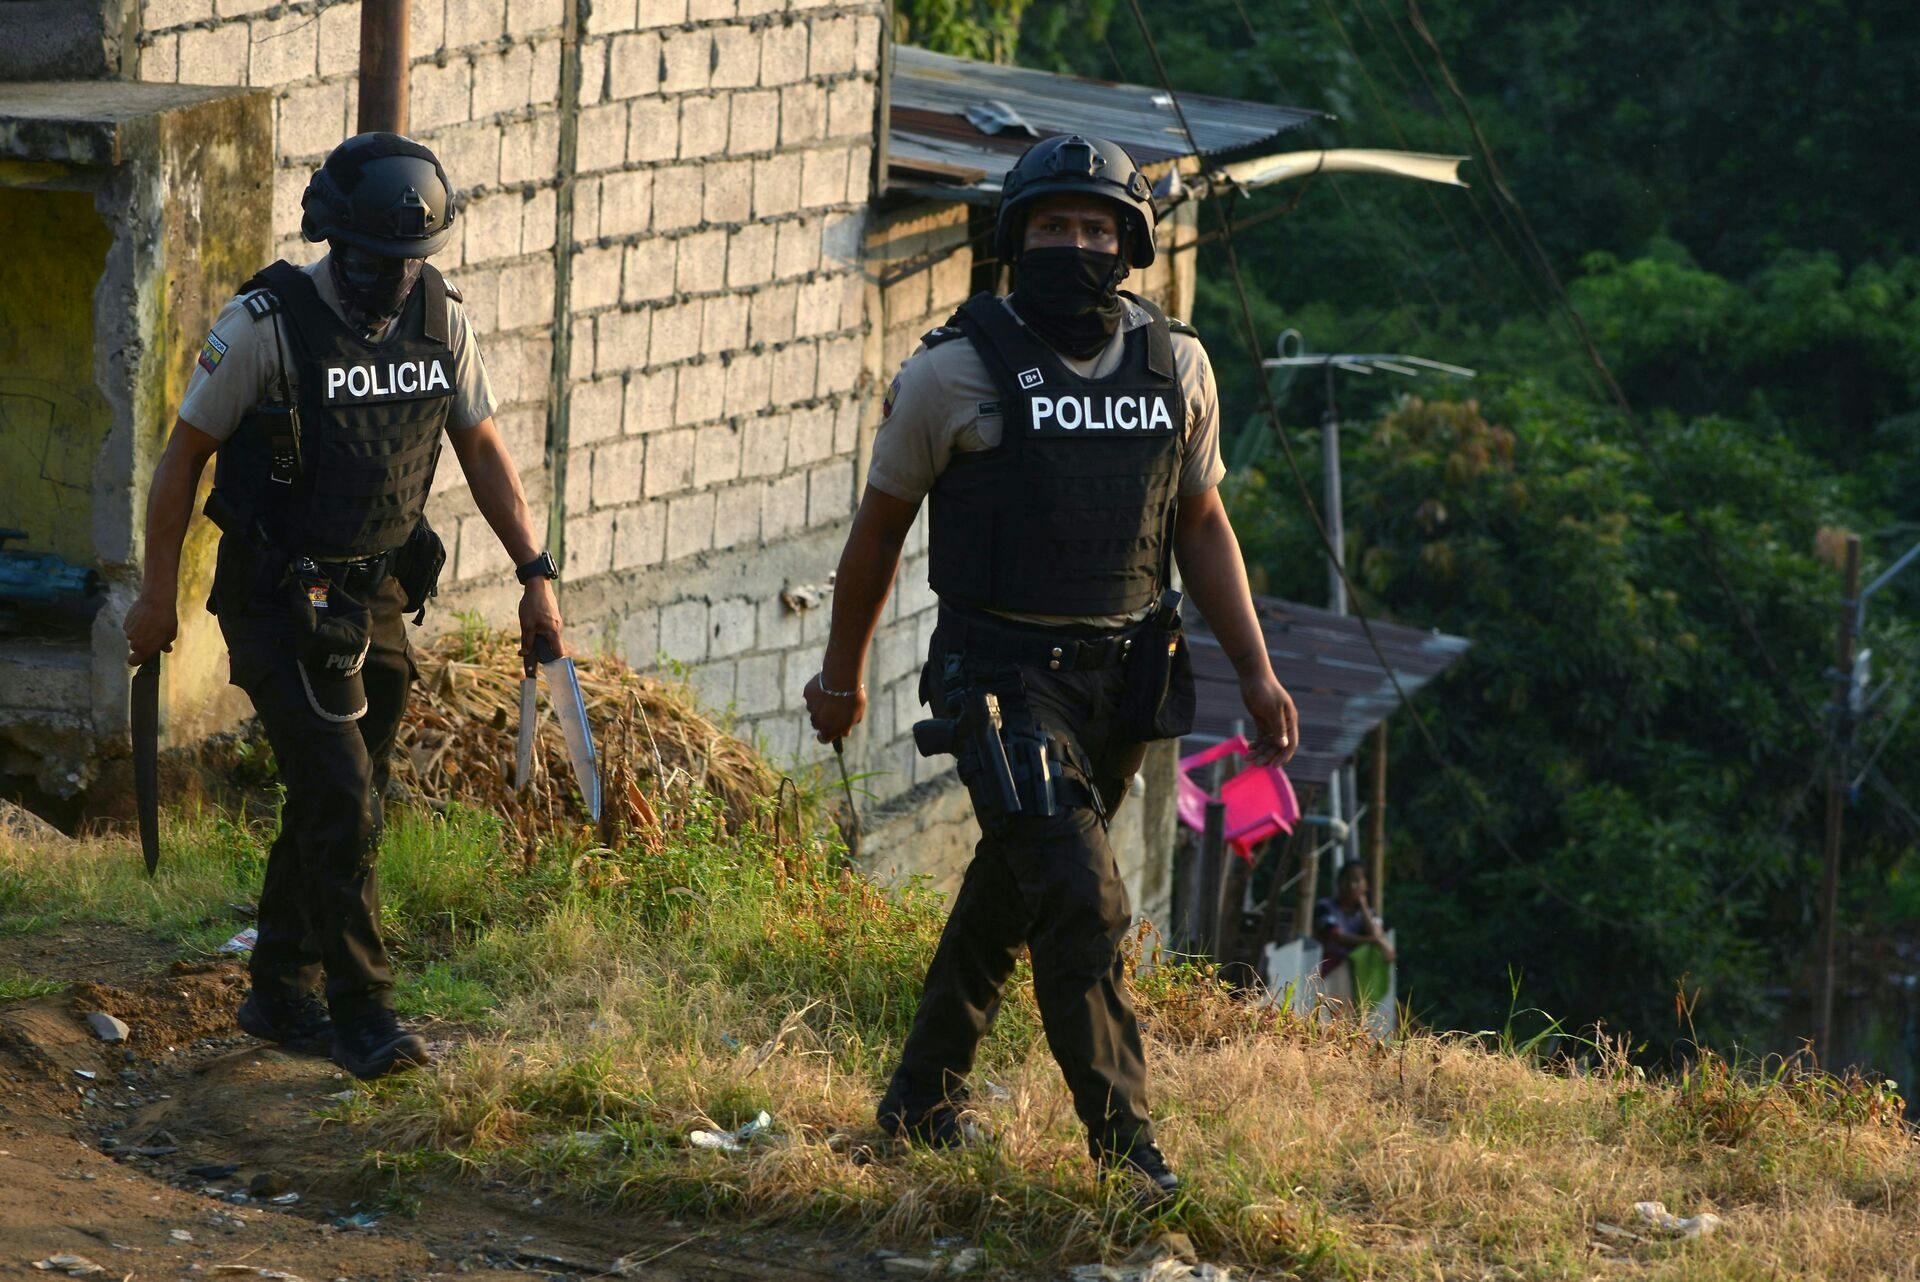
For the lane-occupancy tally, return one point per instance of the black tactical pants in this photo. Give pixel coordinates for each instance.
(1050, 884)
(320, 901)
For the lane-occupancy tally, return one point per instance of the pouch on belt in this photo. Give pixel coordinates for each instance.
(332, 632)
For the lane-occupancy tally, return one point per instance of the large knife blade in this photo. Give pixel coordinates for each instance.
(529, 715)
(145, 717)
(570, 709)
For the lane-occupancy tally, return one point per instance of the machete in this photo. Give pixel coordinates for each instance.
(145, 714)
(570, 710)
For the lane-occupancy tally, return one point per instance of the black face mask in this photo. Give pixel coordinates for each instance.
(372, 287)
(1066, 295)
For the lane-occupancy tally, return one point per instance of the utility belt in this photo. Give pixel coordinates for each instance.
(254, 566)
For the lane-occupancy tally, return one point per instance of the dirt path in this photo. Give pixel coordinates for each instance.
(160, 1157)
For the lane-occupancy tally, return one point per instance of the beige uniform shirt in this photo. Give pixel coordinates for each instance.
(935, 408)
(239, 365)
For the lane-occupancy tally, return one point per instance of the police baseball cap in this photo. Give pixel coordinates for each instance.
(331, 637)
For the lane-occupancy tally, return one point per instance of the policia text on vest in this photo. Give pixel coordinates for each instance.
(324, 395)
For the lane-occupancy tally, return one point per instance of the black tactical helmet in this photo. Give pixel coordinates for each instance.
(385, 193)
(1070, 163)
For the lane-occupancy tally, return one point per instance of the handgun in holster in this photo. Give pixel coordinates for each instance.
(978, 731)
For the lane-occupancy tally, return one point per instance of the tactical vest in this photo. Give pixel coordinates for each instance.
(371, 416)
(1072, 512)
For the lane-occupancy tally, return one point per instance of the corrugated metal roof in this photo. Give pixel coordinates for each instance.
(933, 146)
(1337, 683)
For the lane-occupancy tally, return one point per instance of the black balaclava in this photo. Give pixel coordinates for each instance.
(372, 287)
(1066, 294)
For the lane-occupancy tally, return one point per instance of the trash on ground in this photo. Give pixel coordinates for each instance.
(87, 1073)
(285, 1199)
(966, 1260)
(180, 1235)
(242, 942)
(995, 1091)
(1692, 1226)
(107, 1028)
(734, 1141)
(74, 1266)
(1167, 1258)
(1615, 1231)
(359, 1220)
(906, 1266)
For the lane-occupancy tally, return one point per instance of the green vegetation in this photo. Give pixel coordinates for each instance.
(604, 1002)
(1620, 807)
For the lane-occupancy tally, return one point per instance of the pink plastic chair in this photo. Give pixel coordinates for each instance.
(1259, 800)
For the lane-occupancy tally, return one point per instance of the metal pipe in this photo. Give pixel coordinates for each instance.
(384, 31)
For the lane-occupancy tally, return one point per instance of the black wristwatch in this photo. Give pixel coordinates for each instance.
(541, 567)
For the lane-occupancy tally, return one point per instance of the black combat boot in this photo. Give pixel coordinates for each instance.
(1156, 1187)
(938, 1126)
(297, 1023)
(371, 1043)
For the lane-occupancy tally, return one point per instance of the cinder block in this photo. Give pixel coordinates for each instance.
(776, 186)
(819, 308)
(580, 349)
(689, 525)
(840, 366)
(160, 59)
(736, 516)
(439, 95)
(525, 17)
(593, 71)
(749, 383)
(586, 210)
(312, 119)
(797, 250)
(770, 314)
(703, 125)
(640, 538)
(823, 177)
(633, 66)
(687, 60)
(526, 295)
(764, 444)
(710, 10)
(593, 411)
(736, 58)
(846, 425)
(621, 340)
(520, 367)
(502, 80)
(529, 150)
(829, 493)
(214, 56)
(545, 86)
(731, 623)
(662, 13)
(474, 22)
(811, 437)
(536, 220)
(754, 8)
(702, 262)
(850, 109)
(651, 266)
(426, 25)
(716, 454)
(783, 54)
(339, 37)
(803, 114)
(638, 637)
(755, 125)
(595, 279)
(650, 398)
(683, 631)
(159, 15)
(866, 43)
(757, 685)
(723, 324)
(679, 195)
(589, 548)
(712, 685)
(860, 174)
(779, 627)
(626, 202)
(618, 468)
(654, 133)
(669, 461)
(786, 507)
(729, 191)
(702, 393)
(470, 153)
(493, 227)
(830, 48)
(603, 137)
(283, 49)
(676, 331)
(605, 16)
(793, 374)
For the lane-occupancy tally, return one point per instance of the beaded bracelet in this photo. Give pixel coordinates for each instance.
(821, 681)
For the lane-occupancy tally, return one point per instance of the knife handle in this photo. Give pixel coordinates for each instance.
(545, 650)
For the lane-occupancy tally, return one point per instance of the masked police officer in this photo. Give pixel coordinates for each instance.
(1068, 437)
(326, 392)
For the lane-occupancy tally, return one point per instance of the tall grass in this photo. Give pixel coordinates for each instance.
(612, 999)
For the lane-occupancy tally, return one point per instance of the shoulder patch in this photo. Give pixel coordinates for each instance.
(940, 334)
(211, 351)
(261, 303)
(1179, 326)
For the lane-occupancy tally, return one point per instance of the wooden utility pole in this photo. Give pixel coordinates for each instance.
(384, 30)
(1377, 822)
(1836, 796)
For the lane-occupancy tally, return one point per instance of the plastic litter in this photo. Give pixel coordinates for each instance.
(966, 1260)
(1704, 1224)
(905, 1266)
(87, 1073)
(734, 1141)
(285, 1199)
(106, 1027)
(74, 1266)
(242, 942)
(180, 1235)
(359, 1220)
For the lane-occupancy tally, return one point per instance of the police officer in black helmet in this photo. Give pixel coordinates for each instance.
(1067, 437)
(325, 393)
